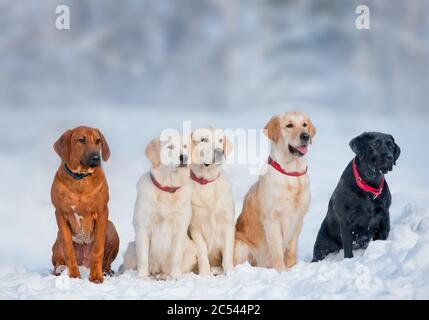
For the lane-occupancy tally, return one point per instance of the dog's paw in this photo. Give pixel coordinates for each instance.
(74, 273)
(109, 273)
(175, 274)
(96, 277)
(204, 271)
(280, 268)
(143, 275)
(227, 268)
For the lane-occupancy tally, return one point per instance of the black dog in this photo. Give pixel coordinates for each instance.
(359, 207)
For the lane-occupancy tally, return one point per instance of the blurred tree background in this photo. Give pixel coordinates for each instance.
(222, 54)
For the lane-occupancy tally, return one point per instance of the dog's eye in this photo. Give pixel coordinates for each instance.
(82, 140)
(304, 125)
(289, 125)
(97, 141)
(204, 139)
(171, 147)
(185, 146)
(220, 140)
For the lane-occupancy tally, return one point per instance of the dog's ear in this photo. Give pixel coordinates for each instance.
(272, 129)
(358, 145)
(311, 129)
(397, 150)
(152, 152)
(105, 150)
(63, 146)
(227, 146)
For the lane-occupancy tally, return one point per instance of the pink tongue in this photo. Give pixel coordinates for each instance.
(302, 149)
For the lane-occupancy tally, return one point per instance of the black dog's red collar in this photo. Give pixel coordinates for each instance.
(363, 186)
(201, 180)
(161, 187)
(276, 166)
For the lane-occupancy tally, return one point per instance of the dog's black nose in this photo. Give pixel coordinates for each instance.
(183, 158)
(94, 160)
(304, 136)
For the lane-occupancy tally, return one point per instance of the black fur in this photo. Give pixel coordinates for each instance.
(354, 217)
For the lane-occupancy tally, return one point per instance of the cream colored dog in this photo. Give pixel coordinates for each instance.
(163, 213)
(212, 225)
(269, 225)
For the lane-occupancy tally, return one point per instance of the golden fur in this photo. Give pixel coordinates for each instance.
(212, 225)
(269, 225)
(162, 247)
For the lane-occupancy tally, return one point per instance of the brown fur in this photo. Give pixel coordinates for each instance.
(86, 236)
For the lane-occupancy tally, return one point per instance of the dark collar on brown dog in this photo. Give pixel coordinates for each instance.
(76, 176)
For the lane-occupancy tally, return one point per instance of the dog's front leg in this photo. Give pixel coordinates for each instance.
(97, 254)
(228, 248)
(202, 253)
(273, 236)
(346, 237)
(69, 252)
(177, 251)
(290, 259)
(383, 228)
(142, 251)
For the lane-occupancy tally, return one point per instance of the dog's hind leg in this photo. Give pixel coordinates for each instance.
(324, 244)
(111, 249)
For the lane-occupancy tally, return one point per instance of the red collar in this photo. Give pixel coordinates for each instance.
(276, 166)
(163, 188)
(363, 186)
(201, 180)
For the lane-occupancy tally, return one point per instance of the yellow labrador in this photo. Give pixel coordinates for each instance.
(212, 225)
(163, 213)
(270, 222)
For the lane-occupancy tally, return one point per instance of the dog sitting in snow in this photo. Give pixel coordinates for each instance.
(162, 214)
(212, 225)
(80, 195)
(270, 222)
(359, 207)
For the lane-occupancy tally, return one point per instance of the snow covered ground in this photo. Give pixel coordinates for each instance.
(393, 269)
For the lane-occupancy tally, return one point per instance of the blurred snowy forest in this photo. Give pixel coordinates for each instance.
(222, 54)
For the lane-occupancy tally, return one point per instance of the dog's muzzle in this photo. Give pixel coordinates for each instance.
(92, 160)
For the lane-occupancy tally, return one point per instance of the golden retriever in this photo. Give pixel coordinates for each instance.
(269, 225)
(163, 213)
(212, 225)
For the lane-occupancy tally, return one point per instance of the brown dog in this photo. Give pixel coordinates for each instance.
(80, 195)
